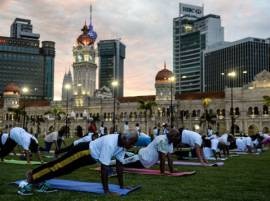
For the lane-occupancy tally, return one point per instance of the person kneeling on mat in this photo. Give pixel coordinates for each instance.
(100, 150)
(158, 149)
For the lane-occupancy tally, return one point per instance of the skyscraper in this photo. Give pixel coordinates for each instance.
(23, 62)
(111, 64)
(67, 80)
(192, 33)
(246, 57)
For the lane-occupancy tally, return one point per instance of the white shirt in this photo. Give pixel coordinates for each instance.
(4, 138)
(21, 137)
(126, 127)
(51, 137)
(240, 144)
(155, 131)
(224, 139)
(87, 138)
(104, 148)
(149, 155)
(191, 138)
(101, 131)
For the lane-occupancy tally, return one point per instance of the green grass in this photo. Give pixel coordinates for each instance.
(242, 178)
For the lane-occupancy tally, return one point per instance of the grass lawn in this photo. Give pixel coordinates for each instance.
(242, 178)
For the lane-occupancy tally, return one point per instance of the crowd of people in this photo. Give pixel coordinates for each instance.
(97, 146)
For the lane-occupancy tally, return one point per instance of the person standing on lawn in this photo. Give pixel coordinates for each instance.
(100, 150)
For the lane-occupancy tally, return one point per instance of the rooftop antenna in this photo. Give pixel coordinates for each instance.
(164, 64)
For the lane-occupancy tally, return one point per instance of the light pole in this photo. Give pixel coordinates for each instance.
(67, 87)
(25, 90)
(114, 85)
(171, 79)
(232, 75)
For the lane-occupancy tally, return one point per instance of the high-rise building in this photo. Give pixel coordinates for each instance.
(192, 33)
(22, 28)
(111, 64)
(26, 64)
(246, 57)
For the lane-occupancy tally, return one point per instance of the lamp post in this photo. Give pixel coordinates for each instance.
(67, 87)
(232, 75)
(171, 79)
(25, 90)
(114, 85)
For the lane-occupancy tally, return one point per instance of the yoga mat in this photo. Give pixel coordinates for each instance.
(89, 187)
(209, 159)
(156, 172)
(145, 171)
(189, 163)
(21, 162)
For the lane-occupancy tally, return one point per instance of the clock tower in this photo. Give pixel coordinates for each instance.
(84, 66)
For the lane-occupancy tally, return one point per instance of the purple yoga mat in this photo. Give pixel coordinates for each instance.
(71, 185)
(189, 163)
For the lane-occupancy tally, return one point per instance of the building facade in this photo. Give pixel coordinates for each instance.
(111, 64)
(25, 63)
(246, 57)
(192, 33)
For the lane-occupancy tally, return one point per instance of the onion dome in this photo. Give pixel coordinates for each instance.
(92, 34)
(12, 88)
(84, 39)
(164, 74)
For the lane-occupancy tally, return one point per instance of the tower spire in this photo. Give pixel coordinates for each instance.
(164, 64)
(91, 13)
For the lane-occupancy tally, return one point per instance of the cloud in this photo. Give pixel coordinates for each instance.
(144, 26)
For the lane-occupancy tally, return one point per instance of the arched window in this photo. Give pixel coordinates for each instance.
(250, 111)
(237, 111)
(265, 109)
(256, 110)
(193, 113)
(223, 112)
(218, 112)
(198, 113)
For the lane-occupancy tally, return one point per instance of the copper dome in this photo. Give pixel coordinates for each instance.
(164, 74)
(85, 39)
(12, 87)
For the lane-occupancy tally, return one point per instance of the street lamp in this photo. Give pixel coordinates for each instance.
(171, 79)
(232, 75)
(25, 91)
(67, 87)
(114, 85)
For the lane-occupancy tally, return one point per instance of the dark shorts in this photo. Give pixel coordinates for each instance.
(33, 147)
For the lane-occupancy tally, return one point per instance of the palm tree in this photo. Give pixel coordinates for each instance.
(147, 107)
(56, 111)
(18, 112)
(207, 118)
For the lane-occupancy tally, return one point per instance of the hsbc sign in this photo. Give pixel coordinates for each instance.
(190, 10)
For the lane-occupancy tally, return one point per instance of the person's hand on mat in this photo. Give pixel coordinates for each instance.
(111, 193)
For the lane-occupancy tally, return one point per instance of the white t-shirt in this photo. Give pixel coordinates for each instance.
(51, 137)
(149, 155)
(87, 138)
(224, 139)
(240, 144)
(126, 127)
(104, 148)
(4, 138)
(101, 131)
(21, 137)
(248, 141)
(214, 144)
(191, 138)
(208, 153)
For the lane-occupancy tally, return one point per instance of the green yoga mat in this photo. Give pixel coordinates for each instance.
(21, 162)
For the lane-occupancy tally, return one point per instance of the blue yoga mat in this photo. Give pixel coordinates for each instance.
(71, 185)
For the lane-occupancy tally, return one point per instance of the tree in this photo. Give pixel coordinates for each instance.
(56, 111)
(266, 100)
(207, 117)
(147, 107)
(18, 112)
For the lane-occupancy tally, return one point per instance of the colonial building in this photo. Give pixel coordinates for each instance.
(250, 111)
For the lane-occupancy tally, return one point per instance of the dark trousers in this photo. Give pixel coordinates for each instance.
(65, 149)
(77, 157)
(7, 148)
(47, 148)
